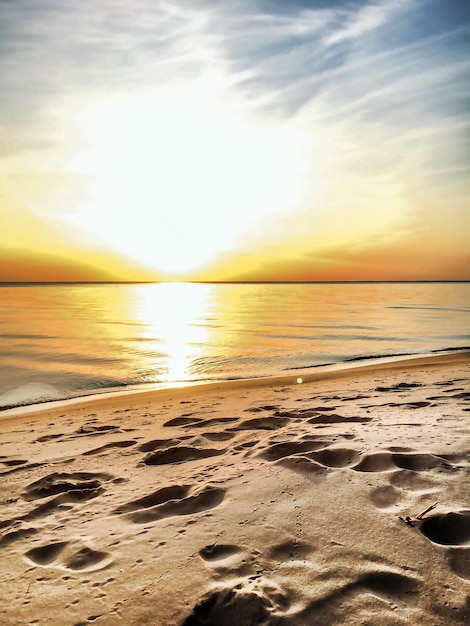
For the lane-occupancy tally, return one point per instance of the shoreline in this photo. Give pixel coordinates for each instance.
(331, 370)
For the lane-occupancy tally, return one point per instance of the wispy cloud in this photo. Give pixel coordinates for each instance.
(377, 93)
(366, 18)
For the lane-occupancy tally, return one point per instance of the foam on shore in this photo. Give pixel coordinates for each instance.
(306, 375)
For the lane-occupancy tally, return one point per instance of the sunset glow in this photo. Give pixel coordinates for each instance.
(191, 199)
(252, 141)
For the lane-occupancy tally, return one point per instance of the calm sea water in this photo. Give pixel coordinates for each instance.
(59, 341)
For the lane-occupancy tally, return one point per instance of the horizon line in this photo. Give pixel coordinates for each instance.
(225, 282)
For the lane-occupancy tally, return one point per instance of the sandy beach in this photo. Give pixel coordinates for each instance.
(276, 501)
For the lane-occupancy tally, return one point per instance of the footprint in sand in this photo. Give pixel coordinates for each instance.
(215, 421)
(160, 496)
(338, 419)
(464, 395)
(413, 481)
(77, 482)
(459, 457)
(311, 450)
(307, 412)
(262, 423)
(218, 552)
(46, 554)
(171, 501)
(385, 497)
(68, 489)
(248, 603)
(389, 585)
(13, 462)
(390, 461)
(109, 446)
(64, 501)
(231, 607)
(84, 559)
(448, 529)
(180, 454)
(283, 449)
(301, 413)
(418, 462)
(16, 467)
(15, 535)
(399, 387)
(218, 436)
(226, 560)
(459, 562)
(265, 407)
(182, 421)
(244, 446)
(407, 405)
(49, 437)
(88, 560)
(158, 444)
(88, 430)
(290, 550)
(305, 466)
(383, 585)
(336, 457)
(253, 603)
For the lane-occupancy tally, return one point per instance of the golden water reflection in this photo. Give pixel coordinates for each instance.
(171, 316)
(78, 338)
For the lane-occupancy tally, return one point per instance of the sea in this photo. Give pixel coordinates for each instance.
(60, 341)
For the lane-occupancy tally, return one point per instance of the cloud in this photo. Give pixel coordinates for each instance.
(377, 93)
(367, 18)
(34, 248)
(409, 259)
(277, 62)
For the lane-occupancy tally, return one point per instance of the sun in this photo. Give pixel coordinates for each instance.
(175, 180)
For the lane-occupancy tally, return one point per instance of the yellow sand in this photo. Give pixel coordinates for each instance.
(262, 502)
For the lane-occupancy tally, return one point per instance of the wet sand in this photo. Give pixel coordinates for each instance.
(256, 502)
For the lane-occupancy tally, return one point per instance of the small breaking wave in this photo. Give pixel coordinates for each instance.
(31, 393)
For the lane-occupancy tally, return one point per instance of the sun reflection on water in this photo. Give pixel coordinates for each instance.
(171, 317)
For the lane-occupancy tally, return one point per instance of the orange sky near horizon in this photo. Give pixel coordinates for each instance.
(248, 142)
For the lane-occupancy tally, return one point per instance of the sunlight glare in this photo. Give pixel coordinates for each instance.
(169, 315)
(175, 181)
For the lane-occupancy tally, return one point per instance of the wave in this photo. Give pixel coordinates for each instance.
(34, 394)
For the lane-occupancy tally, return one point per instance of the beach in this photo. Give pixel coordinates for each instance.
(292, 500)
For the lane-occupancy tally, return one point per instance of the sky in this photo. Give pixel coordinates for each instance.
(234, 140)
